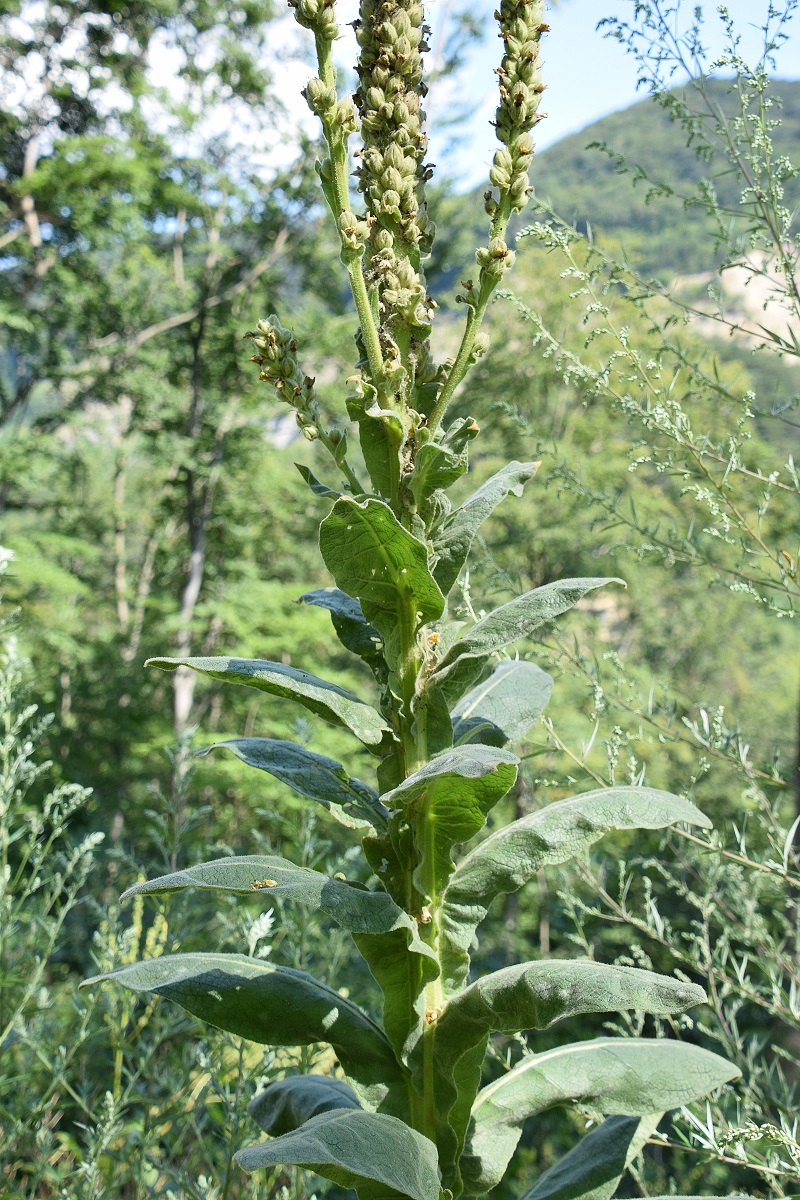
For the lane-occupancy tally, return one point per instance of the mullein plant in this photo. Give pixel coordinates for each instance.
(406, 1114)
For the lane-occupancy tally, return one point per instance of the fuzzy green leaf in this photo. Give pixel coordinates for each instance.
(451, 545)
(275, 1006)
(372, 556)
(267, 876)
(285, 1104)
(555, 834)
(439, 464)
(619, 1076)
(454, 791)
(387, 937)
(509, 701)
(465, 660)
(355, 1150)
(325, 780)
(352, 630)
(381, 434)
(318, 488)
(594, 1167)
(327, 700)
(534, 996)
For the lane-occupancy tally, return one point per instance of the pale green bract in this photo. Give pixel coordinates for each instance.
(404, 1113)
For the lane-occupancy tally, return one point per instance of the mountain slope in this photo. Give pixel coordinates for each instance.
(584, 185)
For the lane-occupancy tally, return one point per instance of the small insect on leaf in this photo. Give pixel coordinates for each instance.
(258, 884)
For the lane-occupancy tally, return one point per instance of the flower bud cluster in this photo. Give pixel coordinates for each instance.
(392, 171)
(339, 115)
(317, 15)
(391, 35)
(521, 28)
(277, 357)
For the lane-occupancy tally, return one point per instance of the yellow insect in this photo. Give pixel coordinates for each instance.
(258, 884)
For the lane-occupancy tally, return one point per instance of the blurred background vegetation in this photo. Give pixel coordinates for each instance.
(648, 356)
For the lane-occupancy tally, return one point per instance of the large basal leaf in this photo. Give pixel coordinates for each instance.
(356, 1150)
(325, 780)
(594, 1167)
(452, 795)
(509, 701)
(352, 629)
(533, 996)
(372, 556)
(619, 1076)
(285, 1104)
(275, 1006)
(451, 545)
(327, 700)
(555, 834)
(466, 658)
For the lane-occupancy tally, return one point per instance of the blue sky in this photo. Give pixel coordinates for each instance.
(589, 76)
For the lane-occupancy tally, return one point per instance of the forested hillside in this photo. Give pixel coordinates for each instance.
(151, 505)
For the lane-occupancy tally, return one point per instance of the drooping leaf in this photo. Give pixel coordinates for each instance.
(285, 1104)
(534, 996)
(387, 937)
(372, 556)
(354, 1149)
(555, 834)
(354, 908)
(352, 630)
(452, 795)
(452, 543)
(327, 700)
(465, 661)
(275, 1006)
(594, 1167)
(325, 780)
(619, 1076)
(510, 700)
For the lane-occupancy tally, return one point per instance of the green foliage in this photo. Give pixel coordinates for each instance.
(414, 1119)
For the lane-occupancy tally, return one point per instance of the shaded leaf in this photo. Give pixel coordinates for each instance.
(325, 780)
(510, 700)
(465, 660)
(327, 700)
(619, 1076)
(595, 1166)
(288, 1103)
(512, 855)
(275, 1006)
(372, 556)
(451, 546)
(352, 629)
(354, 1148)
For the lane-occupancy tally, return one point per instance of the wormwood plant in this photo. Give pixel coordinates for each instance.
(407, 1115)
